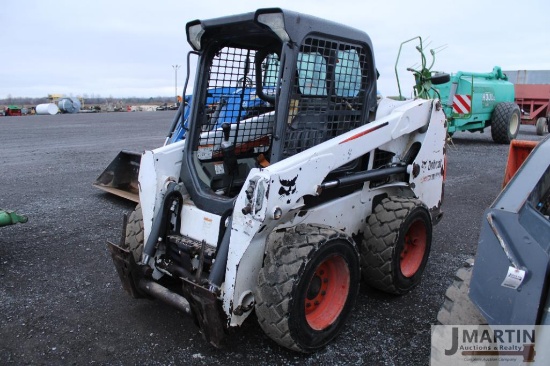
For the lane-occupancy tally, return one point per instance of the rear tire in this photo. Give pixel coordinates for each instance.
(307, 286)
(396, 245)
(134, 233)
(458, 309)
(541, 126)
(505, 122)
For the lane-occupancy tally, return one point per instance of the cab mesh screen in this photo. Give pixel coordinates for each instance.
(327, 98)
(232, 100)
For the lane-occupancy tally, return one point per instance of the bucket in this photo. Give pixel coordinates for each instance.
(47, 108)
(517, 154)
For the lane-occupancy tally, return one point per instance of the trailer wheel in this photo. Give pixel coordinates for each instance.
(307, 286)
(134, 233)
(458, 308)
(505, 122)
(396, 245)
(541, 126)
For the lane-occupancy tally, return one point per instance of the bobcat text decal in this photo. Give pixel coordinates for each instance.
(432, 164)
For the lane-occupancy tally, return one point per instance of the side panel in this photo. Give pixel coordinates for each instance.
(348, 213)
(487, 94)
(503, 305)
(280, 189)
(157, 167)
(199, 225)
(430, 165)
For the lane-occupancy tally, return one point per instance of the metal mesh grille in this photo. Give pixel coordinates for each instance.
(382, 158)
(327, 98)
(232, 99)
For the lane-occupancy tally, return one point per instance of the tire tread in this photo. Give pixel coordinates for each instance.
(286, 254)
(500, 121)
(379, 242)
(457, 308)
(134, 233)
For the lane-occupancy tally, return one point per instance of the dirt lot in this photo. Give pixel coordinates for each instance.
(60, 298)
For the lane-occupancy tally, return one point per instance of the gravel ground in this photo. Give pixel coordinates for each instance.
(60, 298)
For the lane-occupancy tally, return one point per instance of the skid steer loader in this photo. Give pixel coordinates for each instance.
(283, 211)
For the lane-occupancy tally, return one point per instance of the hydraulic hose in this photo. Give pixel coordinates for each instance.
(363, 177)
(217, 273)
(159, 223)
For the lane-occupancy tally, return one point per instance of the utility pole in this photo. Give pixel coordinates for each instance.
(176, 67)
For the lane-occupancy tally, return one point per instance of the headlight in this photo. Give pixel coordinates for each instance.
(195, 33)
(276, 22)
(256, 193)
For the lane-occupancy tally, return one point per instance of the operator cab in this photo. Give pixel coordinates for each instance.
(268, 93)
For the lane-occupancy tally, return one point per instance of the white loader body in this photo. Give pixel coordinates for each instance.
(293, 185)
(396, 130)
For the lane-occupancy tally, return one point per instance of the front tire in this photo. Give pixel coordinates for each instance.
(134, 233)
(505, 122)
(396, 245)
(307, 286)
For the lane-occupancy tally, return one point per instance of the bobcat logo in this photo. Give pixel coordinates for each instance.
(288, 187)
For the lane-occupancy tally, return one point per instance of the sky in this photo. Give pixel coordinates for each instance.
(123, 48)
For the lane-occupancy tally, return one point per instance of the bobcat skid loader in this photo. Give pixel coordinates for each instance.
(281, 207)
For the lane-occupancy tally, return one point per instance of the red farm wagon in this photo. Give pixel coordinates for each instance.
(532, 89)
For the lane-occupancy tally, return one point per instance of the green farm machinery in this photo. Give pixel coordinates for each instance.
(475, 101)
(471, 101)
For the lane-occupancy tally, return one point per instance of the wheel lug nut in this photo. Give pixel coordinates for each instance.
(323, 293)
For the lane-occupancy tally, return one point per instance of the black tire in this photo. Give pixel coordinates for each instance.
(505, 122)
(458, 309)
(134, 233)
(307, 286)
(541, 126)
(396, 245)
(440, 78)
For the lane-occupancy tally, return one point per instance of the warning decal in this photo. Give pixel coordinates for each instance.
(462, 104)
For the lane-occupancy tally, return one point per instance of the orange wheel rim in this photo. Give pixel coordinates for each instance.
(413, 251)
(327, 292)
